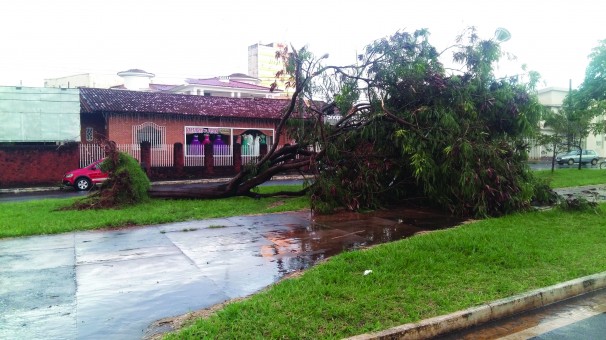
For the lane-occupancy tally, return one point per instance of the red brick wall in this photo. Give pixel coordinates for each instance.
(27, 165)
(97, 123)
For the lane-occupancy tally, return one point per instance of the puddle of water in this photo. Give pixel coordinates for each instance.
(301, 246)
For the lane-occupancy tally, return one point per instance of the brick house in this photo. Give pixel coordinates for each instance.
(178, 127)
(165, 119)
(129, 116)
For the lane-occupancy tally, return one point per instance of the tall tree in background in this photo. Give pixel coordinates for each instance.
(590, 99)
(576, 119)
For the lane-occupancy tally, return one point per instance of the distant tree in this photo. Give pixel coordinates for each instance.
(591, 96)
(593, 87)
(576, 119)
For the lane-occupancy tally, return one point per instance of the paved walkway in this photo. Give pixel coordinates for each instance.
(593, 193)
(113, 284)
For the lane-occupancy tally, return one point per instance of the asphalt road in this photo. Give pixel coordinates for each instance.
(66, 192)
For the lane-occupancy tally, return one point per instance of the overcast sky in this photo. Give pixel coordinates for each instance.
(182, 38)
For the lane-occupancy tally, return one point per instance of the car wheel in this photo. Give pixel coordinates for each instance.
(82, 184)
(571, 161)
(594, 161)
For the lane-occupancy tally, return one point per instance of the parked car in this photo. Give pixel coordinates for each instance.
(85, 178)
(588, 156)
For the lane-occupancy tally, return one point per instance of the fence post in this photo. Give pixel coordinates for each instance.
(146, 157)
(262, 150)
(209, 159)
(178, 158)
(237, 157)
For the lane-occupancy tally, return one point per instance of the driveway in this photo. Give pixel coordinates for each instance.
(113, 284)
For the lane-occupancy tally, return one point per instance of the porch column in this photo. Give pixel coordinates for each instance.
(178, 158)
(237, 147)
(209, 159)
(146, 158)
(262, 150)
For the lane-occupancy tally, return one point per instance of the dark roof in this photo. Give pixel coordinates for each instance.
(241, 75)
(121, 101)
(152, 87)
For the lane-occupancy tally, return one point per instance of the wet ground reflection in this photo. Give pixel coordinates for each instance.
(301, 246)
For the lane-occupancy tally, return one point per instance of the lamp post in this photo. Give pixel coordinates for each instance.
(501, 35)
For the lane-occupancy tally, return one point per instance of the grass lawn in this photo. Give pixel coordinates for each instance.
(562, 178)
(43, 217)
(417, 278)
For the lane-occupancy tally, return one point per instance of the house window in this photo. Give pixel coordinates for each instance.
(149, 132)
(90, 134)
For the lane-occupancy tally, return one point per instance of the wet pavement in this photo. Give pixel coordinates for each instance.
(592, 193)
(113, 284)
(583, 317)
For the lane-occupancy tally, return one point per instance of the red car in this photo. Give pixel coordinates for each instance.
(85, 178)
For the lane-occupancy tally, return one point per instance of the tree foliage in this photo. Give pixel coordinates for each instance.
(126, 184)
(590, 99)
(454, 139)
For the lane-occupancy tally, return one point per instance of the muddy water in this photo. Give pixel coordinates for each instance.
(113, 284)
(301, 246)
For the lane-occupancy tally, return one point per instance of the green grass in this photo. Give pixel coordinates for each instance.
(417, 278)
(43, 217)
(562, 178)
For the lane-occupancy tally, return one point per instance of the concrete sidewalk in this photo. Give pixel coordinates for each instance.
(113, 284)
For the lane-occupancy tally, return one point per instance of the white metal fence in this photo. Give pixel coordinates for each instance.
(163, 155)
(194, 155)
(250, 154)
(222, 155)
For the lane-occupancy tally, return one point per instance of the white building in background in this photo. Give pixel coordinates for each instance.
(262, 69)
(236, 85)
(39, 115)
(94, 80)
(553, 98)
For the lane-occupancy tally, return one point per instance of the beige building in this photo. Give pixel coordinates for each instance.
(262, 64)
(553, 98)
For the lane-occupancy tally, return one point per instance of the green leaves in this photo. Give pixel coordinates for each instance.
(454, 138)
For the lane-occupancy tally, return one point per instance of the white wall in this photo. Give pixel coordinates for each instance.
(39, 114)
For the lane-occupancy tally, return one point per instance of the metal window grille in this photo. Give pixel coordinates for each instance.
(149, 132)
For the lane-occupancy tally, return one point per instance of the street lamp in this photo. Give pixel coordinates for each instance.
(501, 35)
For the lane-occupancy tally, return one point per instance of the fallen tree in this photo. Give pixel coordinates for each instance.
(409, 129)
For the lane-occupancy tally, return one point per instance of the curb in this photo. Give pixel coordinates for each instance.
(23, 190)
(498, 309)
